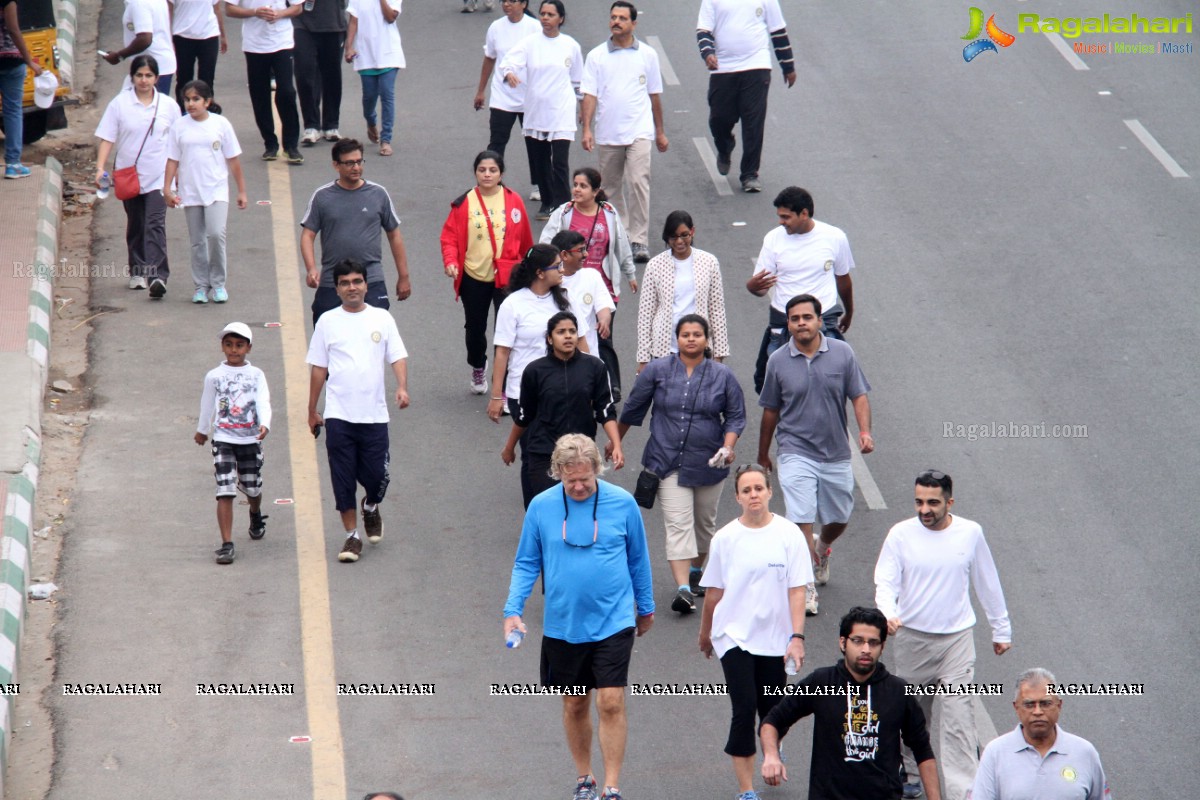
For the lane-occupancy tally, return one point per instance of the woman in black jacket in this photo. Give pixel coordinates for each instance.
(565, 391)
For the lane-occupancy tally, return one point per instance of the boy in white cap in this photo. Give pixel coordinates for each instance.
(236, 409)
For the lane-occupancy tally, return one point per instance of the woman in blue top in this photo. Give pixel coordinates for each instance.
(699, 413)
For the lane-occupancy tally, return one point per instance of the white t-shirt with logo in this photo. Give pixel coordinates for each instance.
(806, 263)
(755, 567)
(501, 36)
(742, 31)
(194, 19)
(588, 296)
(152, 17)
(521, 327)
(260, 36)
(622, 82)
(551, 69)
(127, 124)
(357, 348)
(202, 150)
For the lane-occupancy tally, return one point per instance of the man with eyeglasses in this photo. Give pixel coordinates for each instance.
(861, 713)
(349, 214)
(591, 303)
(1039, 759)
(922, 585)
(586, 538)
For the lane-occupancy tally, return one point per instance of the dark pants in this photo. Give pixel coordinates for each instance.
(478, 298)
(196, 58)
(319, 77)
(146, 235)
(500, 125)
(772, 341)
(163, 84)
(548, 162)
(745, 677)
(608, 354)
(260, 68)
(326, 299)
(535, 474)
(358, 454)
(739, 95)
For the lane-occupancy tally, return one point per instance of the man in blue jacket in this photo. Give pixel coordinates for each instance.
(586, 537)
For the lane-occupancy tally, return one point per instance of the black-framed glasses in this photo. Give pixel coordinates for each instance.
(595, 524)
(678, 236)
(354, 162)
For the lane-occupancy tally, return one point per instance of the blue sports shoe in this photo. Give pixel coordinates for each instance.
(220, 295)
(15, 171)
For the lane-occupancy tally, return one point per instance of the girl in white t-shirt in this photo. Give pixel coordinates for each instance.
(753, 618)
(202, 150)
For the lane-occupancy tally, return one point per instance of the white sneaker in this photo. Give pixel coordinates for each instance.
(332, 135)
(821, 568)
(810, 601)
(311, 136)
(536, 194)
(479, 380)
(137, 282)
(489, 4)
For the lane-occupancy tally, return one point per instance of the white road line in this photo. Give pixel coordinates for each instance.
(862, 477)
(1065, 49)
(710, 163)
(1155, 148)
(668, 72)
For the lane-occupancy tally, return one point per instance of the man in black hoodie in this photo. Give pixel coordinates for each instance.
(861, 714)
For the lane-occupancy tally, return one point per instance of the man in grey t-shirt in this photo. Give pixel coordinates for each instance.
(349, 214)
(804, 396)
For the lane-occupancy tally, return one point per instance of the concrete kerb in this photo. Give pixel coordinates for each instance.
(68, 15)
(21, 487)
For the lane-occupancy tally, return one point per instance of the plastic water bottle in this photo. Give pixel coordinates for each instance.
(790, 666)
(308, 4)
(514, 638)
(105, 187)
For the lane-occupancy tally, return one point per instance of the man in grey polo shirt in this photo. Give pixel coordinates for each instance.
(1038, 758)
(804, 406)
(349, 214)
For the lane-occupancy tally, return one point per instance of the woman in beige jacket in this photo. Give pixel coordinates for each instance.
(681, 280)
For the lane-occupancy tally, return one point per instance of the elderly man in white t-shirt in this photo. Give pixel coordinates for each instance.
(622, 87)
(922, 585)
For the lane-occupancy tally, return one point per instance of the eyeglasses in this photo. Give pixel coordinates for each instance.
(559, 267)
(595, 524)
(859, 641)
(679, 236)
(355, 162)
(577, 250)
(1044, 705)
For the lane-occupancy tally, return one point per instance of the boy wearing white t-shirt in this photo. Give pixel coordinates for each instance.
(589, 297)
(350, 347)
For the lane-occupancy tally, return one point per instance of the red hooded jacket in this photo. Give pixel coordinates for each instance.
(518, 238)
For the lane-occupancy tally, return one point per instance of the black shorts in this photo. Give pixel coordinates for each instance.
(596, 665)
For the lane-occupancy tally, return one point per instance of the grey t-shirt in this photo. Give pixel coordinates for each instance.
(349, 223)
(810, 395)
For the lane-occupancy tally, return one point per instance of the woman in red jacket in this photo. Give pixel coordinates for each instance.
(485, 235)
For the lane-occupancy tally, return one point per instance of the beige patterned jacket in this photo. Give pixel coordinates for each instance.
(656, 304)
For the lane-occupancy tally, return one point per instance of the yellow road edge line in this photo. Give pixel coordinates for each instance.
(316, 624)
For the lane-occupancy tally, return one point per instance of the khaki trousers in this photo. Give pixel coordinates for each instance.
(625, 176)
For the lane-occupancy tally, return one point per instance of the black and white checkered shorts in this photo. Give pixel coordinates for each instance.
(238, 466)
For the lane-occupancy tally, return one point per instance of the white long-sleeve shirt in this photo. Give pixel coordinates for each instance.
(924, 577)
(235, 402)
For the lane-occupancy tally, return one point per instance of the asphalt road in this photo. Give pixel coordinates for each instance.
(1009, 230)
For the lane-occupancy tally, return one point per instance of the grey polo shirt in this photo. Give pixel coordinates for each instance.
(350, 224)
(810, 396)
(1011, 769)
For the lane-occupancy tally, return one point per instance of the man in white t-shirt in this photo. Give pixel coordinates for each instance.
(733, 36)
(146, 28)
(350, 347)
(590, 301)
(801, 256)
(622, 88)
(922, 585)
(268, 42)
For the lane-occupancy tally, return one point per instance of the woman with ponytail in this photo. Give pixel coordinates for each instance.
(535, 294)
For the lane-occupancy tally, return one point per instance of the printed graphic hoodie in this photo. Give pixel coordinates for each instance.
(857, 732)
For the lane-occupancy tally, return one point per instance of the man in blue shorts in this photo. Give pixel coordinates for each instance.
(804, 407)
(351, 347)
(586, 537)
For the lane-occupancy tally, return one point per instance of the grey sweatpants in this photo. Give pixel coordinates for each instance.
(206, 230)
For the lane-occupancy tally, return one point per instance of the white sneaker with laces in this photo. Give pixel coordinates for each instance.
(332, 135)
(810, 601)
(311, 136)
(137, 282)
(535, 194)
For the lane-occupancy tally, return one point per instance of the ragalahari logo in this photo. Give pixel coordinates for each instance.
(995, 36)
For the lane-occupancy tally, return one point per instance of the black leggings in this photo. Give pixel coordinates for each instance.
(195, 58)
(745, 677)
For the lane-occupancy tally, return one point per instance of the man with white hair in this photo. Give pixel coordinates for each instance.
(586, 537)
(1038, 758)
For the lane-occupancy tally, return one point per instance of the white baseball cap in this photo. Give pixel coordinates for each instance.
(240, 329)
(44, 87)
